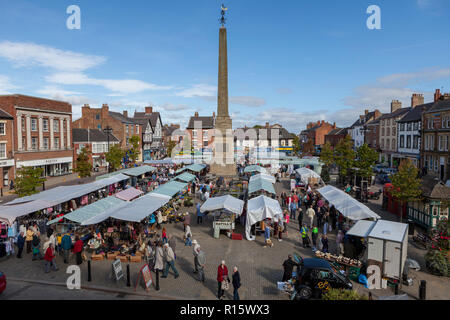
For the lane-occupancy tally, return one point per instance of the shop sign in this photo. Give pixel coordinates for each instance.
(43, 162)
(7, 163)
(117, 269)
(146, 276)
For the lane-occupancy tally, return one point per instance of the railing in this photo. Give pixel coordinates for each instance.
(420, 217)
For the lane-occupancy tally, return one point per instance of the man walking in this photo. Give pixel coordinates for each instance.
(66, 245)
(288, 266)
(236, 278)
(195, 250)
(159, 263)
(304, 232)
(310, 213)
(20, 244)
(170, 261)
(201, 260)
(199, 214)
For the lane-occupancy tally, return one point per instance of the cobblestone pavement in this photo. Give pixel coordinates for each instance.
(260, 267)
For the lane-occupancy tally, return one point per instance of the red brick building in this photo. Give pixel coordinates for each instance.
(6, 148)
(316, 131)
(42, 133)
(336, 135)
(123, 127)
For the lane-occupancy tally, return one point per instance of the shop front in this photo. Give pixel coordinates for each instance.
(52, 167)
(6, 171)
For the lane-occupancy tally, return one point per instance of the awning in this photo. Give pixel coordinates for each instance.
(108, 175)
(138, 209)
(361, 228)
(305, 174)
(263, 176)
(261, 208)
(170, 188)
(138, 171)
(345, 204)
(63, 194)
(196, 167)
(227, 202)
(260, 184)
(128, 194)
(9, 213)
(185, 177)
(94, 209)
(255, 168)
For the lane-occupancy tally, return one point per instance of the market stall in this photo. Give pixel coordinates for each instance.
(254, 168)
(346, 205)
(261, 185)
(185, 177)
(263, 176)
(387, 245)
(129, 194)
(259, 209)
(307, 176)
(225, 210)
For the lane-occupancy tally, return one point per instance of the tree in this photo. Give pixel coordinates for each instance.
(83, 165)
(327, 155)
(170, 146)
(406, 186)
(114, 156)
(135, 148)
(344, 156)
(296, 144)
(366, 159)
(27, 181)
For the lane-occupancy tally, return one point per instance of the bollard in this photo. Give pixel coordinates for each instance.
(423, 290)
(1, 190)
(128, 276)
(396, 289)
(89, 271)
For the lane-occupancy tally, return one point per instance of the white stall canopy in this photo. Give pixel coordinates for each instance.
(263, 176)
(224, 202)
(345, 204)
(261, 208)
(305, 174)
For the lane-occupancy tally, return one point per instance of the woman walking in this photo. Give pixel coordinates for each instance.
(50, 258)
(78, 249)
(222, 280)
(159, 263)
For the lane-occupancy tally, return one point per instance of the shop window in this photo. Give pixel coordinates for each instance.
(2, 150)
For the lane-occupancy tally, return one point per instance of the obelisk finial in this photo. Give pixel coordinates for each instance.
(223, 11)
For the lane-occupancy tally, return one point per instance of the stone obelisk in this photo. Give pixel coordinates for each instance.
(223, 161)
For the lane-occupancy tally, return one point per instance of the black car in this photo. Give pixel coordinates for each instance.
(316, 276)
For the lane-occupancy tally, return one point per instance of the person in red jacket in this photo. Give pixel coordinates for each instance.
(222, 275)
(77, 249)
(50, 258)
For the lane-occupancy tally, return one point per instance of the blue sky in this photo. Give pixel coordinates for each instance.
(289, 62)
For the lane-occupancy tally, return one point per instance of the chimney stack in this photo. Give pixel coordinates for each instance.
(125, 113)
(437, 95)
(446, 96)
(105, 106)
(323, 121)
(416, 100)
(366, 112)
(395, 105)
(196, 114)
(334, 125)
(267, 125)
(148, 110)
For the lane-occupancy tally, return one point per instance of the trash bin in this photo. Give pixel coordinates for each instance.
(410, 227)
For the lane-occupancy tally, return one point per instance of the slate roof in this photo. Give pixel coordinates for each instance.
(395, 114)
(435, 189)
(415, 114)
(365, 120)
(439, 105)
(207, 122)
(120, 117)
(153, 117)
(282, 133)
(5, 115)
(337, 131)
(94, 135)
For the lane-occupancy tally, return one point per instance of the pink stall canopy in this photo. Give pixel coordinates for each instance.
(128, 194)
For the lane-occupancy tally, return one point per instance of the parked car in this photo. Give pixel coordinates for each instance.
(2, 282)
(316, 276)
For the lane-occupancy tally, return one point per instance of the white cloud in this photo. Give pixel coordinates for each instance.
(248, 101)
(54, 90)
(173, 107)
(199, 90)
(6, 85)
(403, 79)
(25, 54)
(117, 86)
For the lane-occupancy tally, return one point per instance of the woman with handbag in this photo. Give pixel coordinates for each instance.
(222, 280)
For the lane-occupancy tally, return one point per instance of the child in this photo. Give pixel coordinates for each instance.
(164, 235)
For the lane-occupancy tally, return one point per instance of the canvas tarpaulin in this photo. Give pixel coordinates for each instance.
(305, 174)
(128, 194)
(94, 209)
(345, 204)
(260, 184)
(261, 208)
(170, 188)
(9, 213)
(185, 177)
(227, 202)
(255, 168)
(138, 171)
(263, 176)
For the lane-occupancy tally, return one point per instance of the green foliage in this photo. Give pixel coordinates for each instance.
(344, 156)
(325, 174)
(83, 165)
(170, 146)
(438, 258)
(27, 181)
(308, 147)
(114, 156)
(135, 149)
(366, 159)
(406, 184)
(327, 155)
(342, 294)
(296, 144)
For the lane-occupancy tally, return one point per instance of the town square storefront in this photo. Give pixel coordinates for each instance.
(52, 167)
(6, 171)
